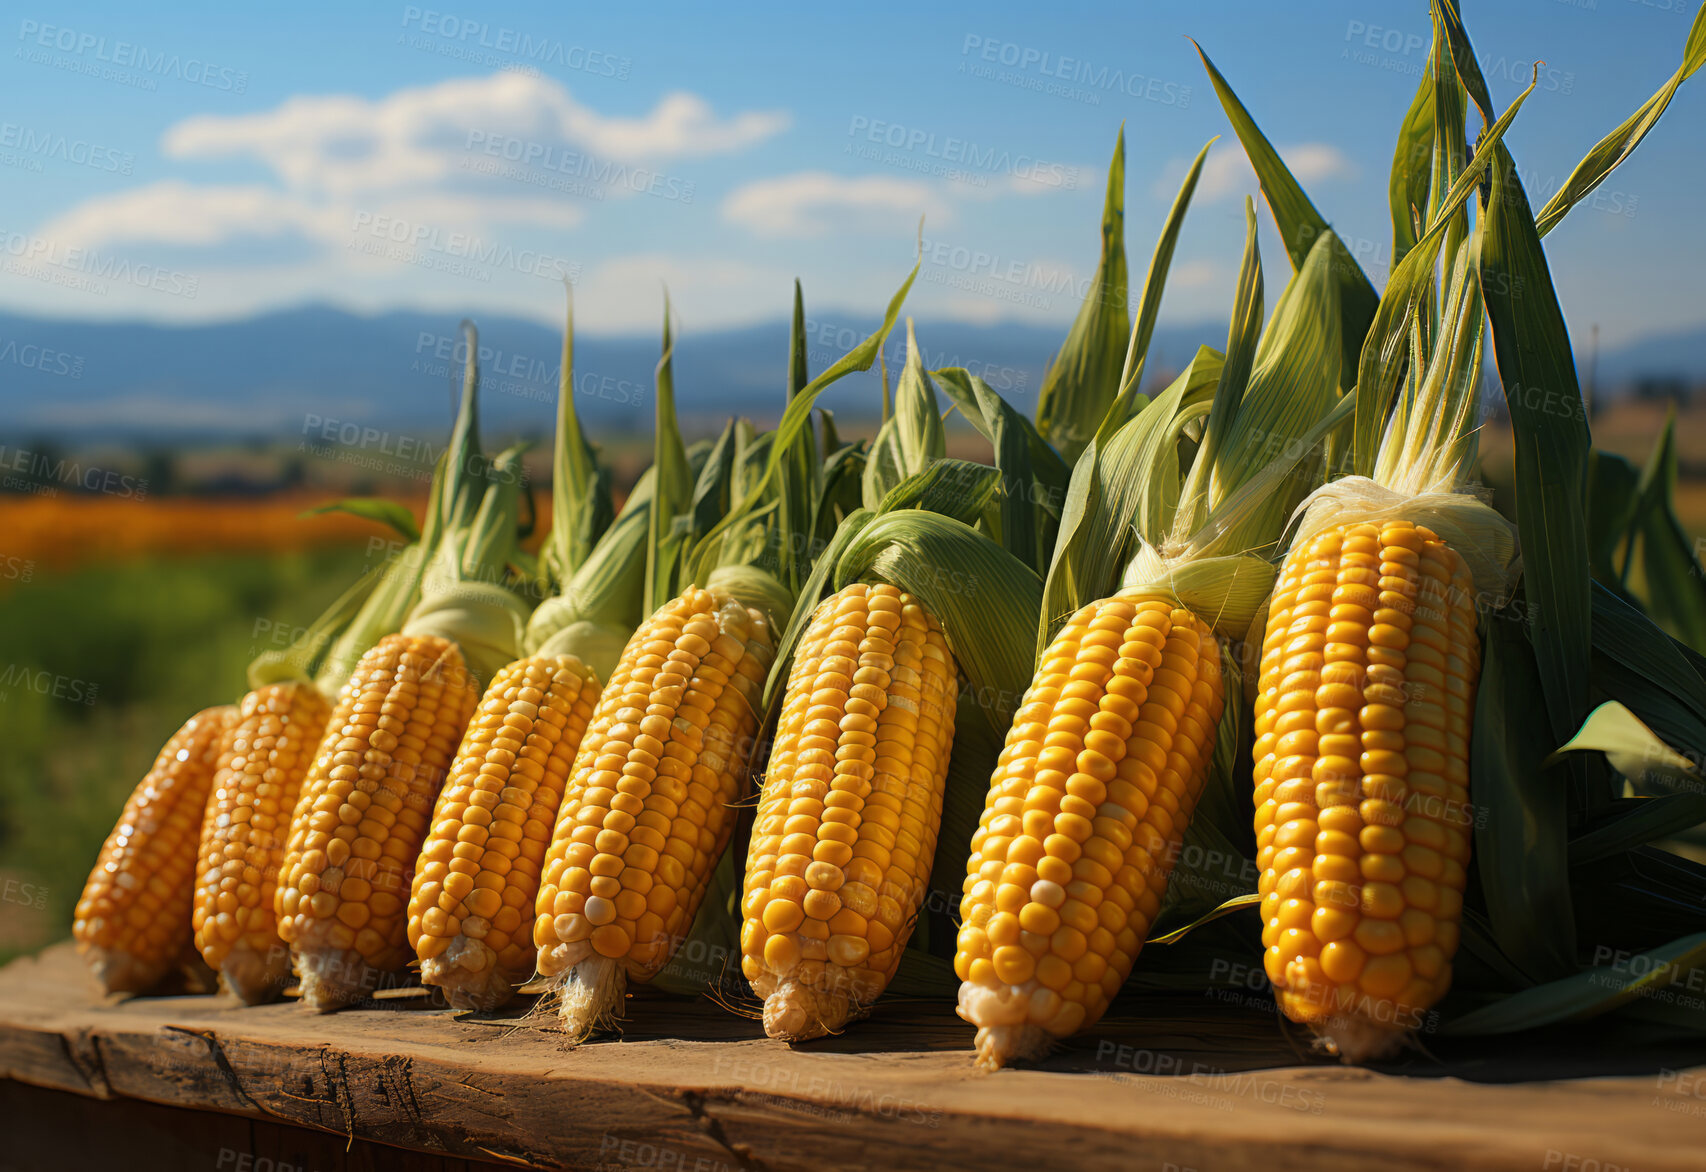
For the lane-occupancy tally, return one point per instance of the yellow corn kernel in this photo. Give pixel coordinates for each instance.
(866, 728)
(133, 920)
(1387, 786)
(263, 758)
(363, 815)
(471, 905)
(1104, 766)
(648, 807)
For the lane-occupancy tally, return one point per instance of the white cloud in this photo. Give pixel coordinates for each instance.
(1226, 171)
(440, 160)
(344, 145)
(173, 212)
(817, 203)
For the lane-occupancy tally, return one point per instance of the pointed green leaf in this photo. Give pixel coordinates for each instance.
(673, 489)
(1412, 158)
(798, 417)
(1584, 994)
(1300, 225)
(1611, 150)
(1081, 381)
(377, 509)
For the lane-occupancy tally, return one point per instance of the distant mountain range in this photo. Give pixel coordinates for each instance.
(305, 370)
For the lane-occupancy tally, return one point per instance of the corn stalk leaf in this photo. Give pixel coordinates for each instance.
(1243, 339)
(1099, 524)
(1532, 348)
(1671, 582)
(1300, 225)
(1520, 814)
(673, 483)
(1081, 381)
(954, 488)
(796, 418)
(1584, 994)
(581, 503)
(912, 436)
(801, 474)
(1647, 671)
(1407, 190)
(1612, 486)
(1130, 398)
(1384, 357)
(1033, 478)
(1617, 146)
(370, 508)
(1292, 387)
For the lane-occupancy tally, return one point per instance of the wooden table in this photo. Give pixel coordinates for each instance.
(1166, 1082)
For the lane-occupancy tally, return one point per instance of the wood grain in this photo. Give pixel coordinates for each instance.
(1166, 1080)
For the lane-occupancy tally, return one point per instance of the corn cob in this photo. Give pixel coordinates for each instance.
(647, 809)
(363, 814)
(478, 874)
(133, 919)
(1091, 796)
(1365, 699)
(848, 817)
(263, 758)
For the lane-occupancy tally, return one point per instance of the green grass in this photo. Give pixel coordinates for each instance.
(131, 651)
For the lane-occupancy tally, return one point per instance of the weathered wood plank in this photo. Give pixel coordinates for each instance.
(51, 1129)
(1179, 1080)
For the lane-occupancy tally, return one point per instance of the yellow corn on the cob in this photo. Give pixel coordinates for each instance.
(262, 760)
(133, 919)
(363, 813)
(850, 809)
(647, 809)
(1366, 695)
(1089, 802)
(471, 906)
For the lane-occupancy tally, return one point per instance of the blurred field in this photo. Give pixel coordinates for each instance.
(59, 532)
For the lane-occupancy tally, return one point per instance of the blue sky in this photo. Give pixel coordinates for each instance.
(216, 161)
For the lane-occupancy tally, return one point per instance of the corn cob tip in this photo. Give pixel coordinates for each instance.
(1357, 1040)
(468, 974)
(796, 1012)
(255, 978)
(333, 979)
(1000, 1045)
(589, 997)
(120, 971)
